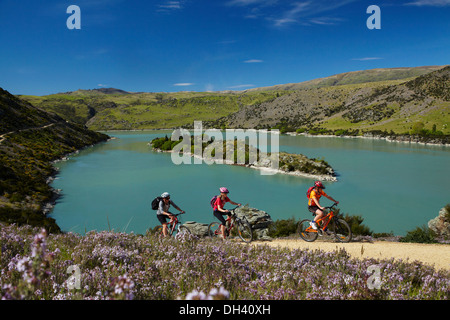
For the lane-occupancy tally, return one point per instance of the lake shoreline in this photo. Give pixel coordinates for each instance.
(398, 139)
(371, 137)
(58, 193)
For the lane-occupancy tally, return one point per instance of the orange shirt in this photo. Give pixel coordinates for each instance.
(315, 194)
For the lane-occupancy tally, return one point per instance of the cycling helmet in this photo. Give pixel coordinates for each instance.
(165, 195)
(224, 190)
(319, 184)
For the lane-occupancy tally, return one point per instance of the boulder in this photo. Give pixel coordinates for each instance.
(259, 221)
(196, 228)
(441, 224)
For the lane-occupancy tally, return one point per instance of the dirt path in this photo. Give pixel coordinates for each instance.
(3, 136)
(431, 254)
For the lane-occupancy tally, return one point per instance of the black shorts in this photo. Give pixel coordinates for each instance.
(219, 215)
(313, 209)
(162, 218)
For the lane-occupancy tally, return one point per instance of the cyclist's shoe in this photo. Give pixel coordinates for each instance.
(313, 225)
(320, 232)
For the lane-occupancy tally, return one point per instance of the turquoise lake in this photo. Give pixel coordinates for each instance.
(395, 187)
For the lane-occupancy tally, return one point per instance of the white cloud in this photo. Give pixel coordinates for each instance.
(244, 3)
(183, 84)
(169, 6)
(102, 85)
(253, 61)
(283, 13)
(432, 3)
(367, 59)
(242, 86)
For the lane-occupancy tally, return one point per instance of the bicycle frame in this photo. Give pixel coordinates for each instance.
(172, 225)
(339, 227)
(231, 221)
(329, 216)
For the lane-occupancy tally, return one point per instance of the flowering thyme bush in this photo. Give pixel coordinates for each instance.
(111, 265)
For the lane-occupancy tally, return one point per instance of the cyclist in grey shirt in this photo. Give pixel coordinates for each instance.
(163, 211)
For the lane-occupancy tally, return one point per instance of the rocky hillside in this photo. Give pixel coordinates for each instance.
(368, 106)
(356, 77)
(342, 101)
(30, 139)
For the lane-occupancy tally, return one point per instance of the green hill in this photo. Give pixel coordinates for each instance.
(357, 77)
(379, 99)
(100, 111)
(395, 105)
(30, 139)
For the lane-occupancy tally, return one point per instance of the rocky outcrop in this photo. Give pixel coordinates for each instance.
(259, 221)
(441, 224)
(198, 229)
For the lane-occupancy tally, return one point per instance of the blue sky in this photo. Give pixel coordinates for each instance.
(208, 45)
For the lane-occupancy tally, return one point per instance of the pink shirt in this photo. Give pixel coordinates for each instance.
(220, 202)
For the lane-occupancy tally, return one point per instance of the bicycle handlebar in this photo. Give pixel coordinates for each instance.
(331, 207)
(177, 214)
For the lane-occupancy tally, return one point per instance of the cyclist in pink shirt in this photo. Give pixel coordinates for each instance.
(219, 210)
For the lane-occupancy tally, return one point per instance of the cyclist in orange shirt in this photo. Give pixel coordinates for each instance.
(314, 205)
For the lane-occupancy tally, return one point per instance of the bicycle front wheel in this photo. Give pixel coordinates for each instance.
(341, 230)
(182, 230)
(244, 231)
(306, 232)
(214, 229)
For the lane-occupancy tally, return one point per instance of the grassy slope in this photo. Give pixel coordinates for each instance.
(320, 102)
(388, 105)
(147, 110)
(34, 138)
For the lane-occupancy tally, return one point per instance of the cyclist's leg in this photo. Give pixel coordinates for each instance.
(165, 229)
(219, 216)
(319, 215)
(163, 220)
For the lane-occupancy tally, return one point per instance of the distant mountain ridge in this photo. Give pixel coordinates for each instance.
(357, 77)
(105, 91)
(365, 100)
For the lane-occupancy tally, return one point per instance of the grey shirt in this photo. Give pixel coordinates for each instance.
(163, 207)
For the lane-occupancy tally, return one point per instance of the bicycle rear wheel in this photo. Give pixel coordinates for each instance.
(158, 231)
(214, 229)
(341, 230)
(245, 231)
(306, 232)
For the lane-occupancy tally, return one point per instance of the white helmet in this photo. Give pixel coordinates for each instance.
(165, 195)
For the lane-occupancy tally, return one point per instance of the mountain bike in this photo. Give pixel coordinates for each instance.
(244, 230)
(331, 223)
(174, 228)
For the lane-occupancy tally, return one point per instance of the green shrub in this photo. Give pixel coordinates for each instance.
(283, 228)
(420, 235)
(356, 224)
(166, 146)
